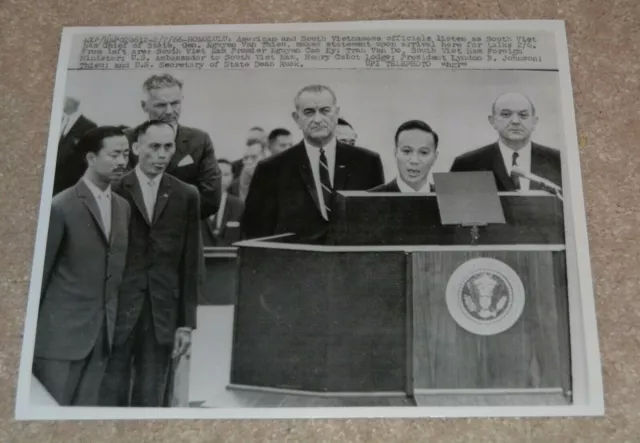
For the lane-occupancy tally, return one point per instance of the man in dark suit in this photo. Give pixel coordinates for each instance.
(253, 154)
(223, 228)
(514, 117)
(345, 132)
(280, 139)
(83, 267)
(194, 161)
(294, 191)
(416, 151)
(160, 286)
(255, 133)
(70, 164)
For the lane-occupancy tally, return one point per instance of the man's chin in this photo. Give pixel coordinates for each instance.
(412, 180)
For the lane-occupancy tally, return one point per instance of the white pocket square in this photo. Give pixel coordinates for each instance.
(186, 161)
(233, 224)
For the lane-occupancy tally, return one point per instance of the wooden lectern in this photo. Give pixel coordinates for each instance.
(398, 304)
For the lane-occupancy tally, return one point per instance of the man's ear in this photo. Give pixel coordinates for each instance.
(491, 120)
(143, 105)
(295, 116)
(90, 158)
(535, 123)
(135, 148)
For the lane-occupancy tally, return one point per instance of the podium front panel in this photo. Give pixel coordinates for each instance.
(461, 348)
(320, 321)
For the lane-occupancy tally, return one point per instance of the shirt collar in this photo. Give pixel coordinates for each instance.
(143, 179)
(406, 188)
(524, 157)
(329, 148)
(97, 192)
(71, 120)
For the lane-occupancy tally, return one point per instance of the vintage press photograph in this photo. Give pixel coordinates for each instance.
(296, 221)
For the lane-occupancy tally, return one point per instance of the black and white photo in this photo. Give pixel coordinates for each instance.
(369, 219)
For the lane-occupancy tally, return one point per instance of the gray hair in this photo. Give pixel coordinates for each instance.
(315, 89)
(161, 81)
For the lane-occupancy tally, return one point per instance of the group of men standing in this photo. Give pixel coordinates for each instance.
(293, 192)
(124, 259)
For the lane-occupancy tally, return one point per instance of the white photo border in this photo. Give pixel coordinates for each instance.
(588, 395)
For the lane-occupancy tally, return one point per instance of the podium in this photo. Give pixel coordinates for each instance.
(396, 304)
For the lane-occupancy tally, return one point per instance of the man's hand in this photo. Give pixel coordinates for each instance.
(182, 342)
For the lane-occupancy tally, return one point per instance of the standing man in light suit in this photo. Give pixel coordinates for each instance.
(83, 267)
(160, 287)
(293, 191)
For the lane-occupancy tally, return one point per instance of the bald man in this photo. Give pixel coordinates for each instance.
(514, 118)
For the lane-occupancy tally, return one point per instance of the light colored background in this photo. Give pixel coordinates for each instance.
(226, 103)
(603, 41)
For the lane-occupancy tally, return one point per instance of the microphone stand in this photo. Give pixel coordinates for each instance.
(553, 190)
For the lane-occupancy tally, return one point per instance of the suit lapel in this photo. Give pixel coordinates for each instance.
(164, 190)
(304, 166)
(133, 187)
(89, 201)
(537, 166)
(115, 217)
(182, 148)
(500, 169)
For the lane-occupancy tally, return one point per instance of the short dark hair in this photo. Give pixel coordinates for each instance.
(91, 141)
(343, 122)
(273, 135)
(416, 124)
(144, 127)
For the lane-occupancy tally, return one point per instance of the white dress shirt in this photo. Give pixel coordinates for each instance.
(314, 158)
(406, 188)
(523, 161)
(220, 214)
(103, 199)
(68, 121)
(149, 187)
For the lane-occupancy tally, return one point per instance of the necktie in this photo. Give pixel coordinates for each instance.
(151, 197)
(516, 179)
(325, 181)
(63, 128)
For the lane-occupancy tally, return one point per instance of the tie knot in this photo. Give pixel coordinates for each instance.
(515, 158)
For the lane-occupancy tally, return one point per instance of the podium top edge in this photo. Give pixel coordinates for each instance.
(433, 194)
(401, 248)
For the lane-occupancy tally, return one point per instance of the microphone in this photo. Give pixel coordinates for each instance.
(517, 171)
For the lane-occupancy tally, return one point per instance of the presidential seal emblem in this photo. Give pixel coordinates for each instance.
(485, 296)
